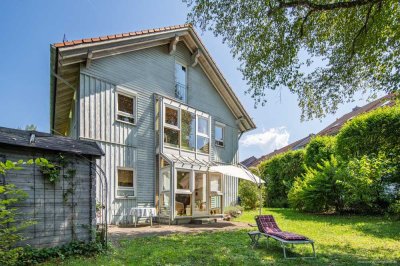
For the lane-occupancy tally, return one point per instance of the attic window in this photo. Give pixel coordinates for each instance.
(126, 108)
(180, 82)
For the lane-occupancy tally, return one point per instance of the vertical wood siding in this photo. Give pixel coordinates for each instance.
(145, 72)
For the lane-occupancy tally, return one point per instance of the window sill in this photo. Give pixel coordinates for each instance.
(128, 123)
(219, 146)
(129, 197)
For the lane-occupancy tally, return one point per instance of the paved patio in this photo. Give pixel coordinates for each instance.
(143, 230)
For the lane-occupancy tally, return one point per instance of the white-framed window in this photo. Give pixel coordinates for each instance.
(203, 134)
(216, 195)
(172, 126)
(180, 82)
(219, 133)
(126, 106)
(125, 182)
(186, 128)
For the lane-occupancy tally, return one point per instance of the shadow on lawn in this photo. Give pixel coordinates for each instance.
(326, 255)
(377, 226)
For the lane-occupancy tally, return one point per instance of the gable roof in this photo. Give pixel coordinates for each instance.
(67, 56)
(46, 141)
(331, 129)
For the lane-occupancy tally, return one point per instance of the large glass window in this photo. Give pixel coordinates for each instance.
(171, 137)
(203, 139)
(188, 130)
(183, 180)
(184, 128)
(171, 116)
(203, 144)
(183, 204)
(215, 182)
(125, 183)
(202, 126)
(180, 82)
(200, 194)
(216, 193)
(165, 203)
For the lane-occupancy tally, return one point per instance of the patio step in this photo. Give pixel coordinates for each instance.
(204, 221)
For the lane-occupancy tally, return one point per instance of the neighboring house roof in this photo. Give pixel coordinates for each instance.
(46, 141)
(248, 161)
(331, 129)
(66, 58)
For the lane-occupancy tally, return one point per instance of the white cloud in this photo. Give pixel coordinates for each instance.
(269, 140)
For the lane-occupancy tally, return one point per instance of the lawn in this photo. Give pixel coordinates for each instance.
(340, 240)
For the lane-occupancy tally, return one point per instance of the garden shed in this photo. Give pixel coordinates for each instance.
(61, 190)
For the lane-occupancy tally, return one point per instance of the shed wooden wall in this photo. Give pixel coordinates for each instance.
(58, 218)
(145, 72)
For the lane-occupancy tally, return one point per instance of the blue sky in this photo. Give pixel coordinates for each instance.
(29, 27)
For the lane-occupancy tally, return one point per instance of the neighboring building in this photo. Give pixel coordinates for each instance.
(62, 211)
(332, 129)
(248, 161)
(161, 110)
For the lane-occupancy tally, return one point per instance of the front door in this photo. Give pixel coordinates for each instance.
(200, 194)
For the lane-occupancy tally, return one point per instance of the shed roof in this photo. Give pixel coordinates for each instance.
(46, 141)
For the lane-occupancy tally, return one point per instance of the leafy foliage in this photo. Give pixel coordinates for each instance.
(249, 194)
(322, 51)
(35, 256)
(10, 227)
(319, 190)
(368, 184)
(319, 149)
(233, 211)
(371, 133)
(279, 173)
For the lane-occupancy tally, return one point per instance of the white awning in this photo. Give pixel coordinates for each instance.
(237, 171)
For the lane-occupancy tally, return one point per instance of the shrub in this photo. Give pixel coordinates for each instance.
(249, 194)
(233, 211)
(34, 256)
(9, 225)
(371, 133)
(319, 149)
(368, 184)
(318, 190)
(279, 172)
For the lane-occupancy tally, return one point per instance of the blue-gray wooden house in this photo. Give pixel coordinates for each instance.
(161, 110)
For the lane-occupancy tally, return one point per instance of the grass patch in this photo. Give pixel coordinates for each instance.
(340, 240)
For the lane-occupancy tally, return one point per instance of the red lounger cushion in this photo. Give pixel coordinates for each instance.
(266, 224)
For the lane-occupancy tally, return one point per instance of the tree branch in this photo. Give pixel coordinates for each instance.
(361, 30)
(321, 7)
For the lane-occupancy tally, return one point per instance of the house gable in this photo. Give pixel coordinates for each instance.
(68, 57)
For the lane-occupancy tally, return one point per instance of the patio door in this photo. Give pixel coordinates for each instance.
(200, 194)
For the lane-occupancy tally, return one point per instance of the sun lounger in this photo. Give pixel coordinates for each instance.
(269, 228)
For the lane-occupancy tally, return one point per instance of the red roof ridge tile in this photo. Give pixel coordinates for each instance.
(120, 35)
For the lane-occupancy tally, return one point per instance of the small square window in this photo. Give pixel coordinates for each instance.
(219, 135)
(125, 183)
(126, 108)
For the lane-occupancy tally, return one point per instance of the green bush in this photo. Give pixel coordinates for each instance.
(371, 133)
(10, 227)
(368, 184)
(233, 211)
(318, 190)
(35, 256)
(319, 149)
(249, 194)
(279, 172)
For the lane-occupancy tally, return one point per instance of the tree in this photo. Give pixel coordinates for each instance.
(319, 149)
(279, 173)
(323, 51)
(31, 127)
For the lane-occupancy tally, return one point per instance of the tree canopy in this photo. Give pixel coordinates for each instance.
(323, 51)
